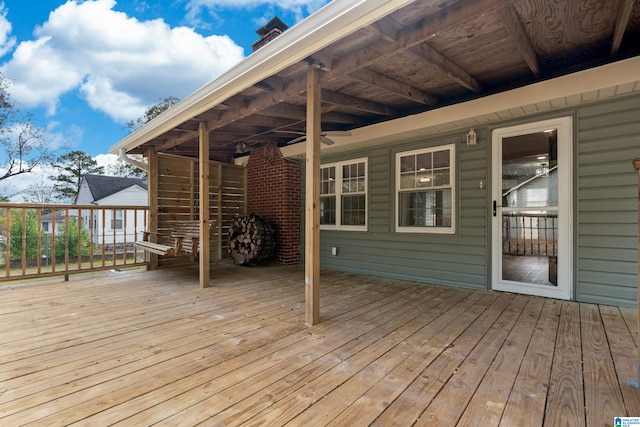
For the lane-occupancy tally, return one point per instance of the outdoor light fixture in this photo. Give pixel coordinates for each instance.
(241, 147)
(472, 137)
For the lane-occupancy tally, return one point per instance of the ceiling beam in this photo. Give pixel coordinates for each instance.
(394, 86)
(386, 28)
(373, 78)
(272, 84)
(188, 136)
(293, 88)
(622, 19)
(514, 26)
(456, 73)
(285, 110)
(424, 30)
(356, 103)
(322, 60)
(266, 121)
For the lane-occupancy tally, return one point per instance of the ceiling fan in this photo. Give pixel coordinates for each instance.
(323, 136)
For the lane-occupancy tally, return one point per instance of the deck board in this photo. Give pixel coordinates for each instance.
(141, 348)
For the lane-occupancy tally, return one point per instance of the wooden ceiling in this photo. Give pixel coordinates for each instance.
(425, 56)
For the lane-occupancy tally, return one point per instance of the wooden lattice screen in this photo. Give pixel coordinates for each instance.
(178, 198)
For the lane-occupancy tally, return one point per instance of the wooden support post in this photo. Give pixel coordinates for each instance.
(636, 383)
(219, 222)
(312, 202)
(205, 249)
(152, 191)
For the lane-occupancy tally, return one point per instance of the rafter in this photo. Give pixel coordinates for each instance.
(622, 19)
(514, 26)
(187, 136)
(293, 88)
(387, 29)
(356, 103)
(422, 31)
(394, 86)
(456, 73)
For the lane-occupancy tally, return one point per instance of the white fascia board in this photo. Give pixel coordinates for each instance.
(328, 25)
(603, 77)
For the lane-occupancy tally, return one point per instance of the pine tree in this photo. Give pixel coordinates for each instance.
(72, 167)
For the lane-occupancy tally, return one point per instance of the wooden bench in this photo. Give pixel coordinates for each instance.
(184, 240)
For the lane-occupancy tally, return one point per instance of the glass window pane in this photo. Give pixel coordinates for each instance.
(353, 210)
(408, 181)
(425, 208)
(328, 210)
(441, 177)
(423, 161)
(441, 159)
(407, 164)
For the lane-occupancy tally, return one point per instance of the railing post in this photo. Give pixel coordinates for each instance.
(33, 251)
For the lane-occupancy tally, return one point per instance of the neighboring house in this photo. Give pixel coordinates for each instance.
(114, 191)
(48, 221)
(440, 101)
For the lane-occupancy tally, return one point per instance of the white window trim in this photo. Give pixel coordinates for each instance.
(454, 194)
(115, 219)
(338, 195)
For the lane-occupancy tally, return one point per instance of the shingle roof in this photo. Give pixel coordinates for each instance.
(104, 186)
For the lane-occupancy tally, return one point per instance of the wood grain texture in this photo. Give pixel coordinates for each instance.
(146, 347)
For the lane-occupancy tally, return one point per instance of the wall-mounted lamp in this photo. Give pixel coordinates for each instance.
(472, 137)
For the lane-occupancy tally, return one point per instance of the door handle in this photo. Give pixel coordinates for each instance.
(495, 208)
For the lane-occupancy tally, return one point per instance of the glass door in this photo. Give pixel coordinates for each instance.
(531, 207)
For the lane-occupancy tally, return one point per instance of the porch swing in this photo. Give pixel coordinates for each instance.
(184, 240)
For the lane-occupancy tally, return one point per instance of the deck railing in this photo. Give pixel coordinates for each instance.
(54, 240)
(526, 233)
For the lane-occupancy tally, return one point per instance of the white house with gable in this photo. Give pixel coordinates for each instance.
(113, 224)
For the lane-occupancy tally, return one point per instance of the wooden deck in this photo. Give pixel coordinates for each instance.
(141, 348)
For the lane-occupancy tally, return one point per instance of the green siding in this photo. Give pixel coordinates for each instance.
(458, 260)
(607, 201)
(607, 139)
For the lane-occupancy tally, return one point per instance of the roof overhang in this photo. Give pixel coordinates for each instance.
(394, 69)
(334, 21)
(615, 79)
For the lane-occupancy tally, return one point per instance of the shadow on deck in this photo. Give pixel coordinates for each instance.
(139, 348)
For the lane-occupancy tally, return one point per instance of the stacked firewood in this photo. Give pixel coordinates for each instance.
(251, 240)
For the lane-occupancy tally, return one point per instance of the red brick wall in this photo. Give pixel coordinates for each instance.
(273, 192)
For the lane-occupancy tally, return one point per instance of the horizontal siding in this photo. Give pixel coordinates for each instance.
(605, 212)
(458, 260)
(607, 204)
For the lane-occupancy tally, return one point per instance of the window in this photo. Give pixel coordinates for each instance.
(343, 195)
(117, 219)
(425, 194)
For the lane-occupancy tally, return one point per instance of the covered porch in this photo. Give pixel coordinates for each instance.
(146, 347)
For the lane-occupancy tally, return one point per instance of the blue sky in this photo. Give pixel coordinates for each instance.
(83, 68)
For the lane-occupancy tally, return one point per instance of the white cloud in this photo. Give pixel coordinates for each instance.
(106, 160)
(6, 40)
(118, 64)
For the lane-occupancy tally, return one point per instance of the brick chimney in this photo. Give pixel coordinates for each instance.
(273, 29)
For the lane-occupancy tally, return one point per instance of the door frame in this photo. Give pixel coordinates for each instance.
(565, 262)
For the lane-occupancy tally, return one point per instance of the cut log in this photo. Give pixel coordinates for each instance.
(251, 240)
